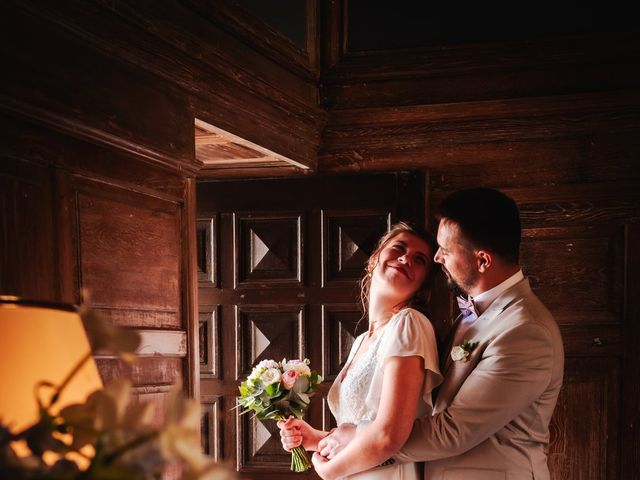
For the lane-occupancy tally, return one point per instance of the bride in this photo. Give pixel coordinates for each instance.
(392, 368)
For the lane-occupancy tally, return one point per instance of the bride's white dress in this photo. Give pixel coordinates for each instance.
(355, 398)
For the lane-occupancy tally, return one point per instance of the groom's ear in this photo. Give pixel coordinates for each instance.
(484, 260)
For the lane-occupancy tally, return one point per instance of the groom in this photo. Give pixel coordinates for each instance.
(504, 361)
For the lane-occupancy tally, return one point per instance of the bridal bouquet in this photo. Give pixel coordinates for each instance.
(277, 390)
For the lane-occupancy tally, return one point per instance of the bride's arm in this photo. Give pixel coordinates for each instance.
(401, 389)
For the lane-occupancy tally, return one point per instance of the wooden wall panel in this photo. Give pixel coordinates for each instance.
(70, 92)
(590, 393)
(630, 412)
(27, 239)
(147, 371)
(579, 273)
(128, 243)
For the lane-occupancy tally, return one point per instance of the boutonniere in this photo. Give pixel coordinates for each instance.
(461, 352)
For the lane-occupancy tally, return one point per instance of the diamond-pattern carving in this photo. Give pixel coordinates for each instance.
(339, 325)
(268, 249)
(348, 242)
(268, 332)
(260, 446)
(261, 437)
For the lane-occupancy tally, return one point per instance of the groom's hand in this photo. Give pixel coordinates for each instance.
(339, 438)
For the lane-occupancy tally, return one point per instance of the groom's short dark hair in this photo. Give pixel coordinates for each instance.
(487, 218)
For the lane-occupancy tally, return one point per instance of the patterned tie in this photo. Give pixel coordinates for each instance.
(467, 309)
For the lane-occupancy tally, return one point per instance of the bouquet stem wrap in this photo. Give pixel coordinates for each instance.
(299, 460)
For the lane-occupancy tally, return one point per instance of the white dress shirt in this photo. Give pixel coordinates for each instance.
(484, 299)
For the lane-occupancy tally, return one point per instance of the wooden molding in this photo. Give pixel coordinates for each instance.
(268, 41)
(450, 60)
(97, 136)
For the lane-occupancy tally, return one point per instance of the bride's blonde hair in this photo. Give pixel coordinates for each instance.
(420, 298)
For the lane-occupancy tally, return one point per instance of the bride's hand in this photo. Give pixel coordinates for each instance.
(339, 438)
(290, 433)
(294, 432)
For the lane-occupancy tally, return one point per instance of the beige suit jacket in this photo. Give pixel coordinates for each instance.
(491, 415)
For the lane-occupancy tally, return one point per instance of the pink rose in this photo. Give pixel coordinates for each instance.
(289, 378)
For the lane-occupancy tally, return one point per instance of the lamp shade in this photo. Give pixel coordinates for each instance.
(41, 342)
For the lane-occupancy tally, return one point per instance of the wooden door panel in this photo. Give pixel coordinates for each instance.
(341, 324)
(269, 249)
(209, 342)
(279, 265)
(348, 241)
(266, 332)
(206, 251)
(210, 428)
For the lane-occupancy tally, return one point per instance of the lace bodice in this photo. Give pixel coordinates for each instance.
(346, 396)
(355, 399)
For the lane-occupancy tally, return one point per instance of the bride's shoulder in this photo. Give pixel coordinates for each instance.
(411, 314)
(412, 318)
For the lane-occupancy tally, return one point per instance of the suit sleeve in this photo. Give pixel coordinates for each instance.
(515, 369)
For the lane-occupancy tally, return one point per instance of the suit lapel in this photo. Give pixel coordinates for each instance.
(455, 373)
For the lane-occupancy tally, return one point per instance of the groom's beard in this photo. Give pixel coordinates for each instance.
(455, 287)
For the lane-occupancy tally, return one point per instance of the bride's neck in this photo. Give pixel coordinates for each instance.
(381, 309)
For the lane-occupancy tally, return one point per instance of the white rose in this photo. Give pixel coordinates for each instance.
(270, 375)
(264, 364)
(459, 353)
(298, 366)
(256, 372)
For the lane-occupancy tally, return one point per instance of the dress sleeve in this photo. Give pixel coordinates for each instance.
(410, 333)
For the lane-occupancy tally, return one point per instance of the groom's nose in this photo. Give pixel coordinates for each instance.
(438, 256)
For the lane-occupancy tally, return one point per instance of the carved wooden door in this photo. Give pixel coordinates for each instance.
(279, 264)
